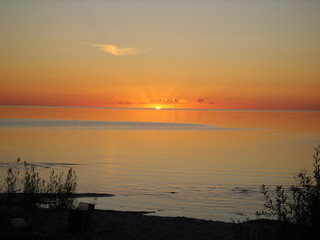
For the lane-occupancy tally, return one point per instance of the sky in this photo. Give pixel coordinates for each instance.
(214, 54)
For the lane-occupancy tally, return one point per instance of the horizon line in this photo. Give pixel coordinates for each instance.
(170, 109)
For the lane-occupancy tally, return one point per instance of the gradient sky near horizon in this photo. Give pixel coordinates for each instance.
(216, 54)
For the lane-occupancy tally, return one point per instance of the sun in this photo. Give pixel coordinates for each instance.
(158, 108)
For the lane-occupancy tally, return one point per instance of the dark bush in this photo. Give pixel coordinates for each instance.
(31, 190)
(300, 204)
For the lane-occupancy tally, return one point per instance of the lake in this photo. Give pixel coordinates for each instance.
(206, 164)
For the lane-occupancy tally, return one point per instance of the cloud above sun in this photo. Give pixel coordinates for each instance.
(165, 101)
(117, 51)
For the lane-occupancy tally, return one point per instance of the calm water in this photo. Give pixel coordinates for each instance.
(194, 163)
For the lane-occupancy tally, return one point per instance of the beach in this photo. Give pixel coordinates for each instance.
(53, 224)
(49, 224)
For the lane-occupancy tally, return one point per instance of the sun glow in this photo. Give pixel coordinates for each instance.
(158, 108)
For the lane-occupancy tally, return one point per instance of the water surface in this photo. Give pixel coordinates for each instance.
(203, 164)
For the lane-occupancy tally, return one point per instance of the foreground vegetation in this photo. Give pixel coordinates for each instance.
(26, 187)
(300, 204)
(296, 209)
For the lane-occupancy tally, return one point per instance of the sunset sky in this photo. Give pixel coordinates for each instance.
(216, 54)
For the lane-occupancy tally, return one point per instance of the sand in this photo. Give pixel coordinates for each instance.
(47, 224)
(54, 224)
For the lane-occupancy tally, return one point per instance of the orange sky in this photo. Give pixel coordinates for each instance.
(176, 54)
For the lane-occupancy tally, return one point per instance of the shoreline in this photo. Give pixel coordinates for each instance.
(110, 224)
(96, 224)
(50, 224)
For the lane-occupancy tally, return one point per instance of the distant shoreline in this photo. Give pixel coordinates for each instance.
(169, 109)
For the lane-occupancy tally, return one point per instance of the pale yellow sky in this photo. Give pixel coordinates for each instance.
(190, 54)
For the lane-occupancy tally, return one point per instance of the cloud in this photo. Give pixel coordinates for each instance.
(164, 101)
(124, 102)
(114, 50)
(83, 93)
(121, 102)
(202, 101)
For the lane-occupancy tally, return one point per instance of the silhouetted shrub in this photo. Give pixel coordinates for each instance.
(12, 184)
(62, 189)
(31, 190)
(300, 204)
(32, 186)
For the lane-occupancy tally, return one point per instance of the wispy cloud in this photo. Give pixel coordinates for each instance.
(114, 50)
(203, 101)
(164, 101)
(121, 102)
(200, 100)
